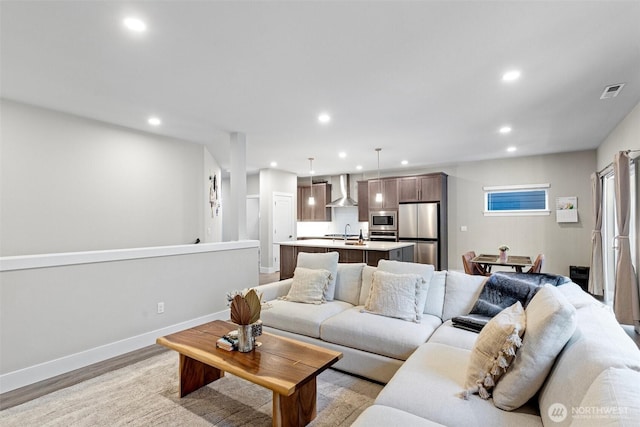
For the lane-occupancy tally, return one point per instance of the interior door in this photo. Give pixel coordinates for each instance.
(283, 223)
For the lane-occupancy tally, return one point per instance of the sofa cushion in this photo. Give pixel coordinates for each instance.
(428, 385)
(377, 334)
(461, 293)
(551, 321)
(385, 416)
(576, 296)
(325, 261)
(612, 400)
(367, 279)
(494, 350)
(303, 319)
(456, 337)
(598, 343)
(349, 282)
(435, 295)
(308, 286)
(396, 295)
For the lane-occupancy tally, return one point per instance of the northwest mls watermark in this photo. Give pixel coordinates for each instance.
(558, 412)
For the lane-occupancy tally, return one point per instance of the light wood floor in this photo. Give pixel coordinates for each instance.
(33, 391)
(268, 277)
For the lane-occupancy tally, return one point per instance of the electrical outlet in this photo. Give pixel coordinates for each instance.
(160, 307)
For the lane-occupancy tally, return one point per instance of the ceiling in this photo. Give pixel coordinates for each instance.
(422, 79)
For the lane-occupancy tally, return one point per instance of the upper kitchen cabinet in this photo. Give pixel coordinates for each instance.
(423, 188)
(318, 212)
(389, 189)
(363, 201)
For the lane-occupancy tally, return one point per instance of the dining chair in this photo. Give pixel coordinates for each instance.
(472, 267)
(537, 264)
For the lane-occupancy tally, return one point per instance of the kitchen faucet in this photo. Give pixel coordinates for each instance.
(345, 231)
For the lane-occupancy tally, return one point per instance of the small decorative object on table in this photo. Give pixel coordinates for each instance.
(503, 253)
(245, 312)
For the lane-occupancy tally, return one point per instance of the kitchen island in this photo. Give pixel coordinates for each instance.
(349, 251)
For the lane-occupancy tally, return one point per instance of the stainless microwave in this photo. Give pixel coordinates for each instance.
(383, 221)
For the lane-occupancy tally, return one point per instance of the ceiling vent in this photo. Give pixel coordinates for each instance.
(611, 91)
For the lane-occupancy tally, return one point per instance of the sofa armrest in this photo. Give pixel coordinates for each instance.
(272, 291)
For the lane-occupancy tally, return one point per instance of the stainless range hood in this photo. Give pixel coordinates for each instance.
(345, 200)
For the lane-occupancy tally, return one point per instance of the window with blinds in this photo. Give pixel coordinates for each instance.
(516, 200)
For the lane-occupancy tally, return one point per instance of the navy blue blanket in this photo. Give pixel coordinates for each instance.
(502, 290)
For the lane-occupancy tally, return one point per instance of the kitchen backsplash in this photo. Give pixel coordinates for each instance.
(341, 217)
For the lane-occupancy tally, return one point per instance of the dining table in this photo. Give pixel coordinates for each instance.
(487, 261)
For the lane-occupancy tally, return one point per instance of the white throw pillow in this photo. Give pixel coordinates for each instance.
(424, 270)
(551, 321)
(349, 282)
(395, 295)
(308, 285)
(494, 350)
(326, 261)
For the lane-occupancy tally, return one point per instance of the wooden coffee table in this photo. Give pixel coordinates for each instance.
(287, 367)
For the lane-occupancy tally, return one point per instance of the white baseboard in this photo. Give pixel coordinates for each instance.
(33, 374)
(268, 270)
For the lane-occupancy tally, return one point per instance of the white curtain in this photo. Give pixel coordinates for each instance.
(626, 302)
(596, 276)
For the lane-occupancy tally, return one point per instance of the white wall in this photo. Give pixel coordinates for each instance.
(74, 184)
(54, 319)
(626, 136)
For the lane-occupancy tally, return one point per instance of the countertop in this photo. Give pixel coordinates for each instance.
(340, 244)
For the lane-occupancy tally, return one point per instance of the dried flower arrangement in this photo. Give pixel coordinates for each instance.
(245, 307)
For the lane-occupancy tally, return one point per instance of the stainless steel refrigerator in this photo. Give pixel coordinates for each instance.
(419, 223)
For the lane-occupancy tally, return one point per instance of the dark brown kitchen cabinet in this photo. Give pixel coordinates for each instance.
(389, 189)
(363, 201)
(350, 255)
(421, 188)
(318, 212)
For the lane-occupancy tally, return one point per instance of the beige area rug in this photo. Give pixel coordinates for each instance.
(146, 394)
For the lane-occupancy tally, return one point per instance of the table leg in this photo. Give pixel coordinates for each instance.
(518, 269)
(296, 410)
(195, 374)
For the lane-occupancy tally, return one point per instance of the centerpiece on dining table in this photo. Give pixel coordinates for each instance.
(503, 253)
(245, 307)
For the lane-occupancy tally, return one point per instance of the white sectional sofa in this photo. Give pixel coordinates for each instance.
(595, 379)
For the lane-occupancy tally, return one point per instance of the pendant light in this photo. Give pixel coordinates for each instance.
(312, 200)
(379, 193)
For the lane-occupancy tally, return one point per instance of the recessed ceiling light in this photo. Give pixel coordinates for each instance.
(510, 76)
(405, 162)
(135, 24)
(273, 164)
(359, 167)
(511, 149)
(154, 121)
(342, 154)
(324, 118)
(505, 129)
